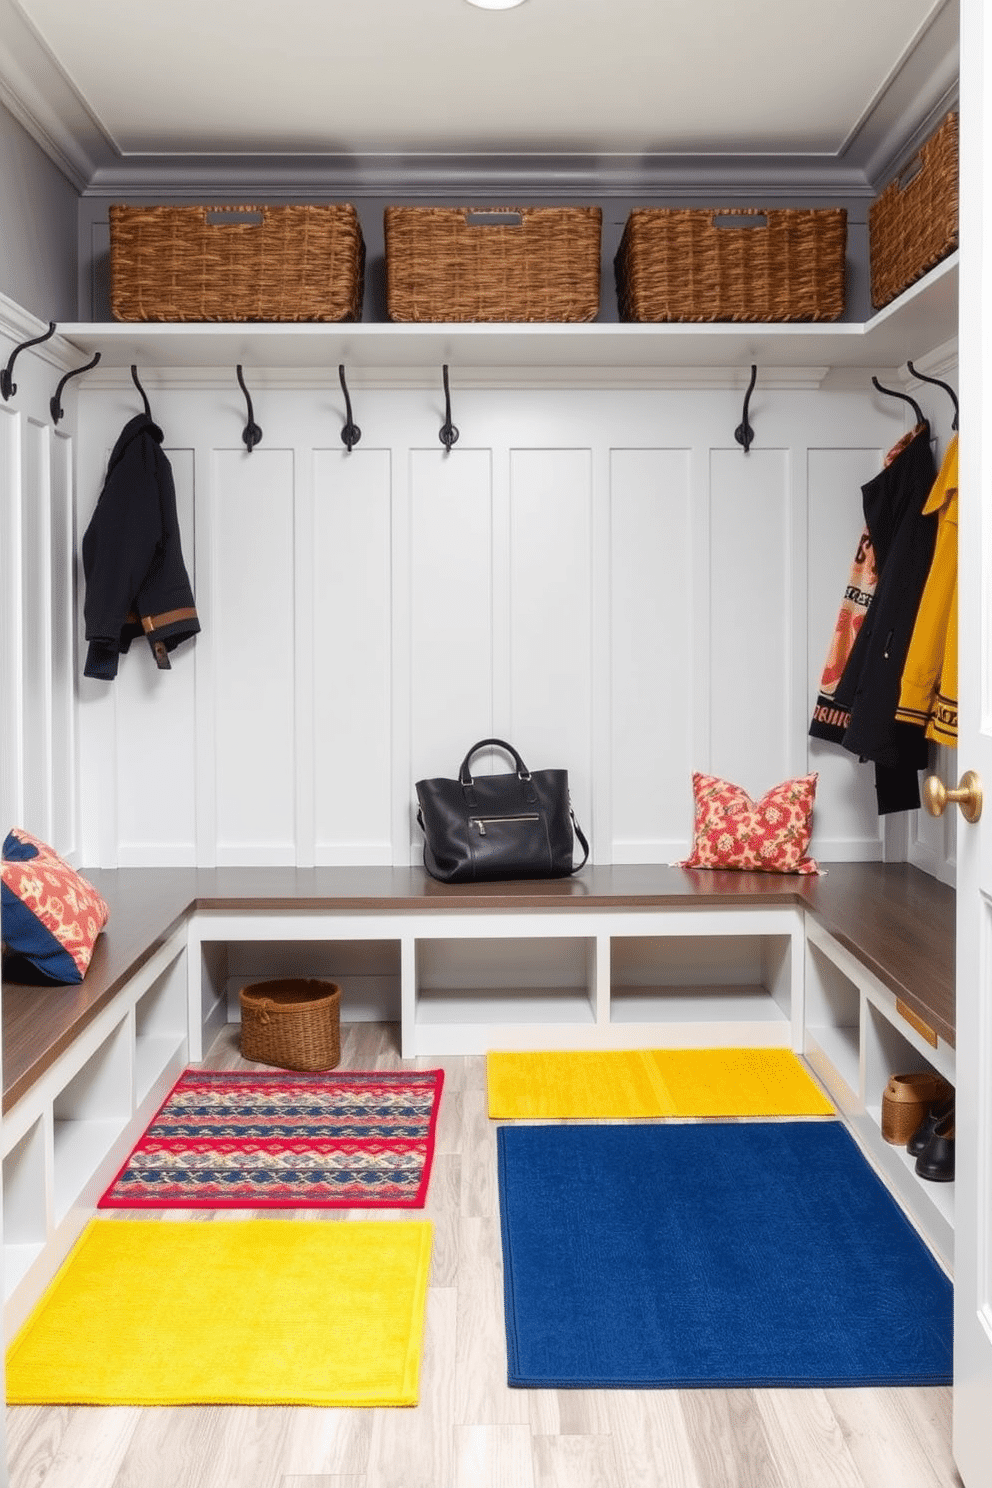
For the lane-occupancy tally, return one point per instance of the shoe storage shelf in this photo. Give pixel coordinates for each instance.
(64, 1141)
(857, 1036)
(464, 983)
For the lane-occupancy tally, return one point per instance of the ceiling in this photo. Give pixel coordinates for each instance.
(127, 95)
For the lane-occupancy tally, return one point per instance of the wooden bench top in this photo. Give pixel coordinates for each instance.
(895, 919)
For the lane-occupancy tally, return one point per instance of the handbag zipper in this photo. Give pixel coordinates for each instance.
(480, 821)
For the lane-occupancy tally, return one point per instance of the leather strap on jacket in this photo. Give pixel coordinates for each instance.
(149, 623)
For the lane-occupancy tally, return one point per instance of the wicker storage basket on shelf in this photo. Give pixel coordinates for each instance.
(236, 263)
(295, 1024)
(914, 223)
(676, 264)
(492, 264)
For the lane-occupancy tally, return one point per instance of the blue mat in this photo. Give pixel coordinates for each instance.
(700, 1254)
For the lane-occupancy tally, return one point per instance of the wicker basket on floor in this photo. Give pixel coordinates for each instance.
(914, 223)
(294, 1024)
(688, 264)
(492, 264)
(301, 263)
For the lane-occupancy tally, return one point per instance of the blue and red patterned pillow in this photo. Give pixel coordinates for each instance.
(51, 916)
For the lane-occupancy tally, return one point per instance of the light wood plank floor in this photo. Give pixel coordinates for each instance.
(470, 1430)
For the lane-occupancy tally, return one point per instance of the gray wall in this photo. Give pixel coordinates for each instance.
(38, 227)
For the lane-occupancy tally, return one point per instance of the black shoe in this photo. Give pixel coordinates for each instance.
(920, 1139)
(936, 1163)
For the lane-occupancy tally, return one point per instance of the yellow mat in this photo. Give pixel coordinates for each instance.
(261, 1312)
(635, 1083)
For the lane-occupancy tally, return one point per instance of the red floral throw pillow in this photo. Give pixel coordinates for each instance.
(51, 916)
(767, 836)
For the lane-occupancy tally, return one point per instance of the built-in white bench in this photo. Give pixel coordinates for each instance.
(853, 969)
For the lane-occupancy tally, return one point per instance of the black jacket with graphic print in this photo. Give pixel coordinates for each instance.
(869, 687)
(136, 580)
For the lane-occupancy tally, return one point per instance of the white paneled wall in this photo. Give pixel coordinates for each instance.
(37, 625)
(753, 624)
(155, 813)
(351, 649)
(252, 605)
(603, 577)
(652, 650)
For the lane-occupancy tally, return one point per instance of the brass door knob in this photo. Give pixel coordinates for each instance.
(968, 796)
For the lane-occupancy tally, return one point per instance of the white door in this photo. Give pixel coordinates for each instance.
(973, 1180)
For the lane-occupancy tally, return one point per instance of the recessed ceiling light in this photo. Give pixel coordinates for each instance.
(495, 4)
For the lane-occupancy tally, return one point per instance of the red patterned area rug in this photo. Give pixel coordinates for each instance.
(235, 1140)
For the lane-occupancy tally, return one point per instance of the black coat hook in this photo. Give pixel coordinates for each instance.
(252, 433)
(55, 403)
(892, 393)
(937, 383)
(351, 433)
(8, 387)
(744, 433)
(448, 434)
(144, 395)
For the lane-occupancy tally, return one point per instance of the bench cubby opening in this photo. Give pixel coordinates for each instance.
(25, 1210)
(857, 1037)
(833, 1017)
(159, 1026)
(741, 980)
(367, 971)
(88, 1116)
(472, 994)
(891, 1048)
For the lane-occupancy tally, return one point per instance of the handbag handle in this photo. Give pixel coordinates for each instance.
(582, 839)
(464, 778)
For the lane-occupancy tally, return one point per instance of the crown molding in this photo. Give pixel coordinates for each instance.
(34, 89)
(920, 90)
(436, 177)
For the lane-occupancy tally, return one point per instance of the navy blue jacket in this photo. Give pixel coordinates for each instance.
(136, 580)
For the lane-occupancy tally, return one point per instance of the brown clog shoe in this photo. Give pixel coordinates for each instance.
(907, 1100)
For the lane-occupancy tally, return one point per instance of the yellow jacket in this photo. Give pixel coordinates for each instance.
(929, 692)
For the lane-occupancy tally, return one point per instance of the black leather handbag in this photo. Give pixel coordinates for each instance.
(498, 826)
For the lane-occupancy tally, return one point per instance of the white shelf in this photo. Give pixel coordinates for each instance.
(923, 318)
(940, 1195)
(725, 1004)
(498, 1005)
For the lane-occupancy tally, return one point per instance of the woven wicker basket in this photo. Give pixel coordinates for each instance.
(740, 264)
(906, 1100)
(914, 223)
(492, 264)
(236, 263)
(294, 1024)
